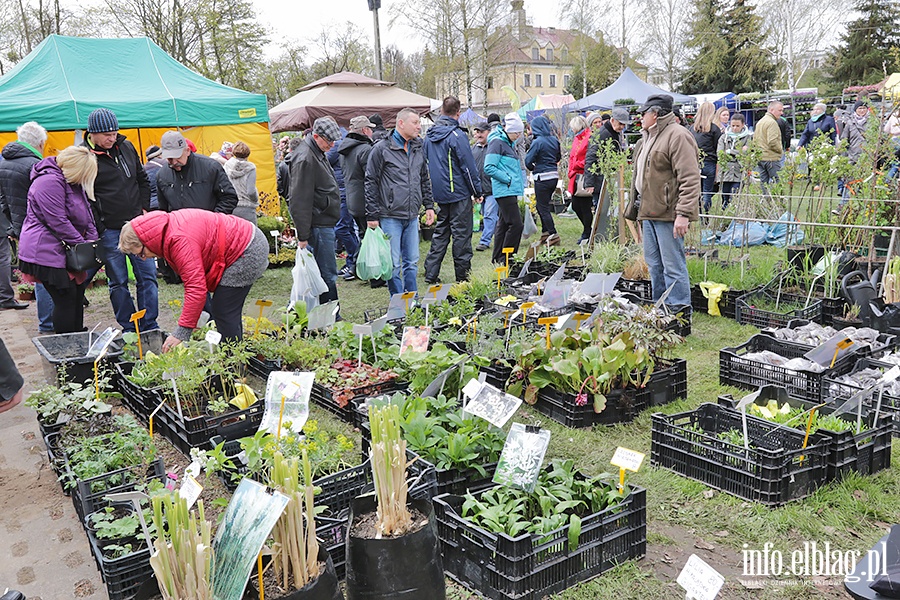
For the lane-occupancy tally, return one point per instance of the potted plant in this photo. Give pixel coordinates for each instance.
(183, 554)
(388, 532)
(301, 568)
(426, 231)
(25, 290)
(849, 319)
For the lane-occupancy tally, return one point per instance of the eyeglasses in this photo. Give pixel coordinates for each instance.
(141, 253)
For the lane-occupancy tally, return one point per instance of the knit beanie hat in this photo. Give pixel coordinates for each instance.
(102, 120)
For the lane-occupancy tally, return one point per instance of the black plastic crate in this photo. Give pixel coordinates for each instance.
(747, 314)
(865, 453)
(123, 575)
(622, 406)
(58, 463)
(736, 370)
(324, 397)
(88, 494)
(883, 343)
(65, 355)
(774, 470)
(668, 382)
(140, 400)
(831, 308)
(456, 481)
(639, 287)
(262, 367)
(531, 567)
(840, 390)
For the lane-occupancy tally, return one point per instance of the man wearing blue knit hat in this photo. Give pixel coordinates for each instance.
(122, 192)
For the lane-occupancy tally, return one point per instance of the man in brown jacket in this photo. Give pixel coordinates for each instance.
(667, 189)
(768, 137)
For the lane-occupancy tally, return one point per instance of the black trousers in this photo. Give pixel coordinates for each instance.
(227, 308)
(10, 379)
(543, 194)
(583, 206)
(68, 307)
(508, 232)
(454, 220)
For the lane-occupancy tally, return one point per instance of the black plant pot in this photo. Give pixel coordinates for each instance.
(426, 233)
(802, 258)
(399, 568)
(324, 587)
(841, 322)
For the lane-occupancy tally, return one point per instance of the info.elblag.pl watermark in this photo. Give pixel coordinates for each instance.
(822, 561)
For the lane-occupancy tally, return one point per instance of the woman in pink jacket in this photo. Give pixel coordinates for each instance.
(212, 252)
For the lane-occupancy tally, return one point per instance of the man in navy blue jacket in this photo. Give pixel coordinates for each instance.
(455, 180)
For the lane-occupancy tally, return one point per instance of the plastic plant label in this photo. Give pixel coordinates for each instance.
(524, 271)
(556, 294)
(172, 374)
(362, 330)
(138, 315)
(699, 580)
(891, 375)
(213, 337)
(439, 291)
(471, 389)
(99, 346)
(274, 233)
(294, 387)
(190, 490)
(831, 350)
(378, 324)
(558, 275)
(249, 518)
(435, 388)
(264, 303)
(599, 284)
(322, 316)
(415, 339)
(493, 405)
(522, 457)
(630, 460)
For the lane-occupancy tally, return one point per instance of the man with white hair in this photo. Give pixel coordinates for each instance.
(15, 180)
(820, 123)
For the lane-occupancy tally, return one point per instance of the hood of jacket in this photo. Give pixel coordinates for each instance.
(498, 133)
(352, 141)
(14, 150)
(443, 127)
(238, 167)
(743, 133)
(541, 126)
(47, 166)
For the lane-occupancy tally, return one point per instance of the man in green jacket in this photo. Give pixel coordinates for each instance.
(768, 137)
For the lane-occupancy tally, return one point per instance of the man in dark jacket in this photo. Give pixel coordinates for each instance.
(819, 123)
(192, 180)
(316, 199)
(122, 192)
(542, 159)
(154, 163)
(345, 236)
(15, 179)
(397, 186)
(355, 149)
(489, 205)
(378, 132)
(454, 182)
(609, 134)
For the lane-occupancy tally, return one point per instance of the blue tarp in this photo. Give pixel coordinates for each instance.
(754, 233)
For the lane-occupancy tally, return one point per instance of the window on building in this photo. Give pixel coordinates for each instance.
(538, 80)
(566, 81)
(549, 53)
(535, 54)
(527, 82)
(553, 81)
(565, 54)
(490, 83)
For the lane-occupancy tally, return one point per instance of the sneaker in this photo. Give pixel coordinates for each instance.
(480, 248)
(553, 240)
(347, 275)
(433, 281)
(343, 270)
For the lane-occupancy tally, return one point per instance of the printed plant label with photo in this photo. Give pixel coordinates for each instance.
(415, 339)
(522, 457)
(491, 404)
(296, 388)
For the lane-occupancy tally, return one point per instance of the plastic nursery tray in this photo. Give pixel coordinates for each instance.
(140, 400)
(531, 567)
(775, 470)
(746, 312)
(88, 495)
(883, 343)
(65, 355)
(835, 390)
(865, 453)
(727, 303)
(639, 287)
(324, 397)
(736, 370)
(123, 575)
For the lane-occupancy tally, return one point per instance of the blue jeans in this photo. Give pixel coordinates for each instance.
(708, 185)
(44, 308)
(666, 261)
(321, 241)
(490, 214)
(345, 231)
(145, 279)
(404, 238)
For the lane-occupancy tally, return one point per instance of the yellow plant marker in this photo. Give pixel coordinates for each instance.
(135, 317)
(433, 290)
(548, 321)
(97, 379)
(626, 459)
(506, 314)
(525, 306)
(280, 416)
(407, 296)
(261, 304)
(507, 251)
(501, 272)
(259, 574)
(841, 345)
(579, 317)
(808, 427)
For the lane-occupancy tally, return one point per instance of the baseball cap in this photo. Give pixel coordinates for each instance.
(360, 122)
(663, 101)
(621, 115)
(481, 126)
(172, 144)
(327, 128)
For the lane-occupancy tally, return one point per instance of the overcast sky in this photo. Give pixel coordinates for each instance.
(295, 20)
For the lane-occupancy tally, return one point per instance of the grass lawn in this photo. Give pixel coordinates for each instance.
(684, 517)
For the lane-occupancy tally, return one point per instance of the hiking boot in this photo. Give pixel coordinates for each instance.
(553, 240)
(544, 237)
(481, 248)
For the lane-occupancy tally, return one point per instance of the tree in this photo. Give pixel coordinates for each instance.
(603, 67)
(24, 25)
(583, 16)
(282, 77)
(406, 71)
(668, 33)
(752, 62)
(865, 51)
(706, 70)
(343, 48)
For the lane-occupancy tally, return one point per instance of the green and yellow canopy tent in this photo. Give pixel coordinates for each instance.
(62, 80)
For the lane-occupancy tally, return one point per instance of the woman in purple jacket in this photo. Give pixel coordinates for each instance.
(59, 212)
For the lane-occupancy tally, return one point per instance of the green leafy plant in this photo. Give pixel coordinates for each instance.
(105, 444)
(389, 464)
(70, 400)
(183, 557)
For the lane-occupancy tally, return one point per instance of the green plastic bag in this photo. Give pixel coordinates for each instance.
(374, 260)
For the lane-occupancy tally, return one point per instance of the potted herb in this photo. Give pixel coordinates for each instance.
(849, 319)
(388, 532)
(25, 290)
(183, 553)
